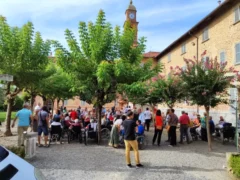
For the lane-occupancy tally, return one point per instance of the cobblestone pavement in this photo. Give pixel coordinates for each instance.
(185, 162)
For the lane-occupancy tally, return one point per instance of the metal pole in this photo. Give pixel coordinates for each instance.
(236, 131)
(236, 110)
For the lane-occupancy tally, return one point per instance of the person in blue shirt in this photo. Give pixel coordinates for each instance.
(212, 125)
(141, 116)
(24, 116)
(140, 129)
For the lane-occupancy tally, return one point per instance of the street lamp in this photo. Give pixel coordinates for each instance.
(6, 78)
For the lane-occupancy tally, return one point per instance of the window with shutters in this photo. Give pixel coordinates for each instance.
(205, 36)
(184, 48)
(169, 57)
(222, 58)
(237, 14)
(237, 51)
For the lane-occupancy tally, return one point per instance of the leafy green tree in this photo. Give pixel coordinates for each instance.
(34, 88)
(104, 59)
(2, 99)
(22, 54)
(171, 90)
(206, 84)
(58, 86)
(158, 90)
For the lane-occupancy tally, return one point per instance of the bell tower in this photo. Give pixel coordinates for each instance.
(131, 15)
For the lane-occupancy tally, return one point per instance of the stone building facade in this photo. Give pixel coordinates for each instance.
(219, 34)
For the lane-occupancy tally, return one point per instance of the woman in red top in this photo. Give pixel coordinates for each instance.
(158, 128)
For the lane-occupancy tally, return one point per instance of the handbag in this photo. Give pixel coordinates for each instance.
(167, 127)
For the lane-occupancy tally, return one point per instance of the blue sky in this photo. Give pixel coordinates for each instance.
(160, 21)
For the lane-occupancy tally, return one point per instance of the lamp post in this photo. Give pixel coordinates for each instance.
(6, 77)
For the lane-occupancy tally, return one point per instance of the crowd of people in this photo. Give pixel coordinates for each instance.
(126, 123)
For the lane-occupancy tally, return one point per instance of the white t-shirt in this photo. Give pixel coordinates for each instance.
(37, 108)
(67, 118)
(118, 122)
(167, 118)
(56, 124)
(148, 115)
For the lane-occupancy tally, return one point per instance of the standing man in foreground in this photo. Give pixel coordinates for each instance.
(184, 122)
(130, 128)
(43, 125)
(173, 121)
(23, 117)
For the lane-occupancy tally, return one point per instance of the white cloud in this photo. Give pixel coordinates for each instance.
(62, 9)
(62, 14)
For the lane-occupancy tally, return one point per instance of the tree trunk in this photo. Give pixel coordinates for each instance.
(209, 137)
(44, 100)
(32, 101)
(8, 117)
(58, 101)
(154, 114)
(52, 105)
(99, 112)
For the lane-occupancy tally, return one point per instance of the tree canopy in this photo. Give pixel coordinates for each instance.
(23, 54)
(206, 84)
(104, 59)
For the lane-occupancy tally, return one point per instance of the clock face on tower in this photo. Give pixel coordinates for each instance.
(131, 15)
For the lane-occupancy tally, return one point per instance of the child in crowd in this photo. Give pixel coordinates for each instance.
(140, 129)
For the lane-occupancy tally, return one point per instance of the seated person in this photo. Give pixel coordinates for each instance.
(66, 121)
(140, 128)
(87, 119)
(57, 115)
(56, 127)
(219, 126)
(196, 124)
(75, 123)
(103, 121)
(110, 119)
(92, 128)
(212, 125)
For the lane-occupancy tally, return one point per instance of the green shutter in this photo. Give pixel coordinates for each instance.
(237, 49)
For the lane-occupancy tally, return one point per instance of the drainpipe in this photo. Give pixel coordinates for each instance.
(197, 43)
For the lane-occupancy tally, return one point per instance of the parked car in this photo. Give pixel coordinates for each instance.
(15, 168)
